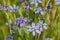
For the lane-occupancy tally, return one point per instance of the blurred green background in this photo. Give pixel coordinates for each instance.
(3, 19)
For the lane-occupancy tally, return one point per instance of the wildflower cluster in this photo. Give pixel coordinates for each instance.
(11, 8)
(30, 22)
(37, 28)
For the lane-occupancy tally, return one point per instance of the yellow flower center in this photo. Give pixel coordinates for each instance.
(41, 25)
(33, 29)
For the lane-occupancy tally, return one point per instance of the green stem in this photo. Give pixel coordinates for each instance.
(38, 37)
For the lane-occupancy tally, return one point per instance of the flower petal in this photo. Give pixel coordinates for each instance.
(25, 19)
(42, 12)
(32, 1)
(33, 33)
(57, 2)
(29, 27)
(30, 30)
(44, 26)
(14, 6)
(41, 21)
(37, 31)
(41, 29)
(39, 1)
(11, 7)
(33, 24)
(22, 24)
(37, 26)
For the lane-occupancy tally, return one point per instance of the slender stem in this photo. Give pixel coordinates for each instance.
(52, 14)
(43, 3)
(4, 2)
(38, 37)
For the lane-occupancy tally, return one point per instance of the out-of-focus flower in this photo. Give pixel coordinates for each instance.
(38, 1)
(26, 4)
(41, 29)
(34, 29)
(21, 1)
(37, 10)
(12, 24)
(42, 12)
(14, 8)
(17, 21)
(44, 9)
(35, 2)
(29, 21)
(13, 32)
(2, 7)
(47, 38)
(32, 1)
(21, 21)
(42, 24)
(49, 6)
(27, 7)
(8, 24)
(6, 7)
(57, 2)
(9, 37)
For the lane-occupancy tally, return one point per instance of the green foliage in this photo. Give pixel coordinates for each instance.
(24, 35)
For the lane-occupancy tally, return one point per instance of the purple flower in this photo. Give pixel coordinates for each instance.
(42, 24)
(13, 31)
(37, 10)
(29, 21)
(35, 2)
(6, 7)
(27, 7)
(20, 1)
(41, 29)
(34, 29)
(32, 1)
(21, 21)
(38, 1)
(13, 8)
(49, 6)
(47, 38)
(17, 21)
(22, 24)
(42, 11)
(57, 2)
(2, 7)
(9, 37)
(8, 24)
(12, 24)
(26, 4)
